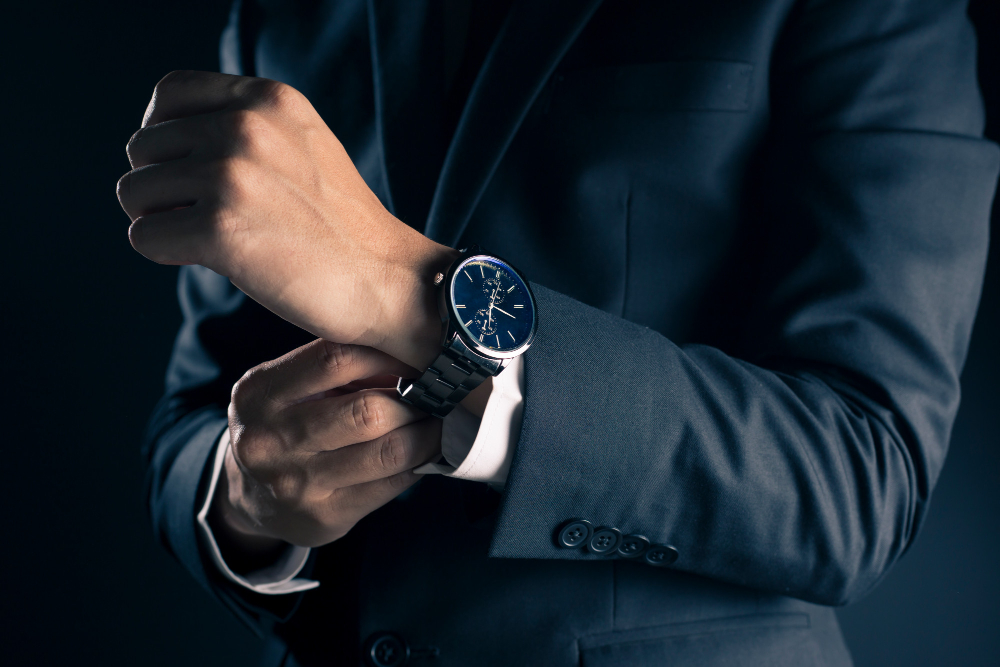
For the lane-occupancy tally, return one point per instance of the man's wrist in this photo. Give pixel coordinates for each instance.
(411, 329)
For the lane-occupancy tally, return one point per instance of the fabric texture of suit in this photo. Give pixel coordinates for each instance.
(756, 233)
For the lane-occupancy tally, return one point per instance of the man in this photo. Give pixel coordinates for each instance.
(756, 234)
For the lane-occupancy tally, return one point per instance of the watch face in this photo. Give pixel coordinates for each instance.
(494, 306)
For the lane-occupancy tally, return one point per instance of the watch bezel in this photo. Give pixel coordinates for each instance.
(454, 319)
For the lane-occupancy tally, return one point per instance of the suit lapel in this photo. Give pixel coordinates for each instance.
(531, 43)
(408, 68)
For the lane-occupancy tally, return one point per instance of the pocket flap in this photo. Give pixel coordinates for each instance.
(749, 641)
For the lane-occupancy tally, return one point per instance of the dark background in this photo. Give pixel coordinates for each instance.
(88, 324)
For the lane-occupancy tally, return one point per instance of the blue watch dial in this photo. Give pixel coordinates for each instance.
(493, 304)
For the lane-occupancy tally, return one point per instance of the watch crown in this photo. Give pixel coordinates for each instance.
(438, 278)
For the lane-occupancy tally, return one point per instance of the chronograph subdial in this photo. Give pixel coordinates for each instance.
(485, 322)
(494, 289)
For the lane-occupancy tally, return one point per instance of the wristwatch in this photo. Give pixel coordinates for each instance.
(489, 317)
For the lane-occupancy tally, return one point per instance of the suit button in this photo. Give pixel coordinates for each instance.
(604, 541)
(575, 534)
(661, 555)
(633, 546)
(386, 649)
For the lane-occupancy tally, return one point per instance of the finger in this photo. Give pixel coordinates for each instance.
(171, 237)
(162, 187)
(170, 140)
(399, 450)
(346, 420)
(321, 365)
(216, 133)
(187, 93)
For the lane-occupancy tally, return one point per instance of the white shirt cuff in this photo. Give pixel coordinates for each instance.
(276, 579)
(473, 449)
(481, 450)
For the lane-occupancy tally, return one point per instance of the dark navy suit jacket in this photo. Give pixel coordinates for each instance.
(757, 232)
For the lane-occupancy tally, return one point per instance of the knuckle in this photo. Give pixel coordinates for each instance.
(367, 412)
(335, 359)
(281, 97)
(224, 231)
(169, 80)
(246, 393)
(162, 91)
(165, 83)
(392, 452)
(239, 397)
(289, 488)
(251, 452)
(398, 482)
(214, 215)
(246, 127)
(225, 173)
(231, 181)
(236, 179)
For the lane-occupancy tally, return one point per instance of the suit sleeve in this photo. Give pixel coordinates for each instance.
(801, 459)
(223, 335)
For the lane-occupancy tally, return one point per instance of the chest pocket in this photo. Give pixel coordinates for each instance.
(688, 85)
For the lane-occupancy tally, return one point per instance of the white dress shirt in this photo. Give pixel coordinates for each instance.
(473, 449)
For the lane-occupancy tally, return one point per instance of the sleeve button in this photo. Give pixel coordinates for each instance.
(575, 534)
(604, 541)
(661, 555)
(386, 649)
(633, 546)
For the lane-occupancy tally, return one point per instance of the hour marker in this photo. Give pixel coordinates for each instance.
(512, 287)
(517, 306)
(481, 271)
(480, 338)
(458, 306)
(498, 273)
(468, 276)
(511, 336)
(498, 339)
(468, 323)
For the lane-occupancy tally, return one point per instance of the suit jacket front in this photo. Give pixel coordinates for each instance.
(756, 232)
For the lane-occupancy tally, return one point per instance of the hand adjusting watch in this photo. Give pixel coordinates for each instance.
(490, 318)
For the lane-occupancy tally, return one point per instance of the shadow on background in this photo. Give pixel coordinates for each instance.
(88, 325)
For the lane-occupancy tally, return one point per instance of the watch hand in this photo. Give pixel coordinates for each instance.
(504, 311)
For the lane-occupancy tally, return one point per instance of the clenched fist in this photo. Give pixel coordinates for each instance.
(316, 446)
(241, 175)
